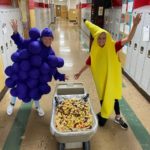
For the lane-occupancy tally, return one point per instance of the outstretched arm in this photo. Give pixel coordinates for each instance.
(16, 36)
(77, 75)
(136, 21)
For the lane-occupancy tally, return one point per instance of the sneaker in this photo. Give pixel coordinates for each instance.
(121, 123)
(10, 109)
(40, 111)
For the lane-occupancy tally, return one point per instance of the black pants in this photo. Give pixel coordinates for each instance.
(116, 106)
(102, 120)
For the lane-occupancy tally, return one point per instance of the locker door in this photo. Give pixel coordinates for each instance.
(142, 51)
(7, 36)
(3, 30)
(135, 46)
(128, 58)
(145, 79)
(52, 13)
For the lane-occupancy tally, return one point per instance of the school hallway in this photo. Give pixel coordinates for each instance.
(25, 130)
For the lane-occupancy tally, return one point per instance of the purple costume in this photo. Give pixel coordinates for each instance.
(34, 66)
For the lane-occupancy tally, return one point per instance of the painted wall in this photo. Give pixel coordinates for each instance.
(5, 2)
(57, 2)
(72, 4)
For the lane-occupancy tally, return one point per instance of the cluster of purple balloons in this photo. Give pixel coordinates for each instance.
(30, 73)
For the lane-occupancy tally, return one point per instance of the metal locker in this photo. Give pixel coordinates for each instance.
(135, 44)
(142, 50)
(52, 12)
(3, 40)
(128, 58)
(7, 34)
(145, 79)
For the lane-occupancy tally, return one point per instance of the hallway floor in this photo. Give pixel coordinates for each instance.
(25, 130)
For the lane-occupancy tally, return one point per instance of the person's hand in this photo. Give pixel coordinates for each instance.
(136, 19)
(77, 75)
(14, 25)
(66, 77)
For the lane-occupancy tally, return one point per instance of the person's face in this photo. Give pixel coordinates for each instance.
(47, 41)
(101, 39)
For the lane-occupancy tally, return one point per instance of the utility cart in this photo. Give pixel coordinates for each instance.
(70, 139)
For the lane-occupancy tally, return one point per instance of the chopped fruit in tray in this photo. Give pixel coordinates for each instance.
(73, 115)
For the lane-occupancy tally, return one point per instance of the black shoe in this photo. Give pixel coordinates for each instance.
(101, 120)
(121, 123)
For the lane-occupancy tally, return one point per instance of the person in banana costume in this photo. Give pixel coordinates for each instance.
(106, 70)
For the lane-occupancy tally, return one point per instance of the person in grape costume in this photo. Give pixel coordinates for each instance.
(34, 65)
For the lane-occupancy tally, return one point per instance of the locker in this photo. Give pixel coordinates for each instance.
(135, 44)
(145, 79)
(128, 58)
(142, 52)
(52, 13)
(7, 35)
(3, 43)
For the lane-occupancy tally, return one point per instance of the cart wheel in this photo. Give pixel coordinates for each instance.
(86, 145)
(61, 146)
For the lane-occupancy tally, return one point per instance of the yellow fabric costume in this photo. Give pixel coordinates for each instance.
(106, 70)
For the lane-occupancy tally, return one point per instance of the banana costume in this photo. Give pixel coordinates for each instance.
(106, 70)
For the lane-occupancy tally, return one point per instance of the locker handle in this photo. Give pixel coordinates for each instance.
(7, 45)
(142, 50)
(10, 43)
(2, 49)
(148, 55)
(135, 46)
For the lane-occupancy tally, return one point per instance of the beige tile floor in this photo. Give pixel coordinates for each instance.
(37, 135)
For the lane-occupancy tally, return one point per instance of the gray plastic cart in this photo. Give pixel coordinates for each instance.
(72, 139)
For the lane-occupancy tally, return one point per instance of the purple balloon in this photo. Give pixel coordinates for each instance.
(60, 62)
(35, 47)
(14, 77)
(22, 90)
(15, 57)
(24, 54)
(45, 78)
(44, 88)
(34, 73)
(9, 71)
(45, 69)
(13, 92)
(10, 83)
(32, 83)
(26, 100)
(15, 67)
(34, 33)
(25, 65)
(35, 94)
(36, 60)
(52, 61)
(23, 75)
